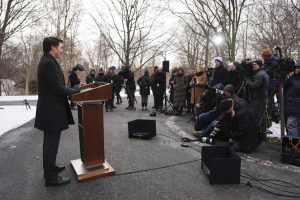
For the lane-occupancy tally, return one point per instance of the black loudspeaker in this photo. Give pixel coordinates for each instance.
(290, 153)
(221, 164)
(142, 129)
(166, 65)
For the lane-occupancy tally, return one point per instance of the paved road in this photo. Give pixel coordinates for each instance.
(22, 176)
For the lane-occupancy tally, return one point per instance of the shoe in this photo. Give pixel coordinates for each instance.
(59, 181)
(198, 134)
(142, 108)
(59, 168)
(114, 107)
(107, 110)
(130, 108)
(117, 103)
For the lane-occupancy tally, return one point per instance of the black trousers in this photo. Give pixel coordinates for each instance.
(50, 147)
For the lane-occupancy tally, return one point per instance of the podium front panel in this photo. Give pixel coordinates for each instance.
(92, 139)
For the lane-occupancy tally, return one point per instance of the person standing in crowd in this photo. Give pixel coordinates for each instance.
(153, 87)
(292, 103)
(197, 83)
(258, 95)
(100, 76)
(110, 78)
(188, 90)
(53, 113)
(91, 78)
(130, 88)
(158, 85)
(242, 126)
(144, 83)
(119, 86)
(171, 83)
(74, 82)
(180, 85)
(270, 64)
(220, 73)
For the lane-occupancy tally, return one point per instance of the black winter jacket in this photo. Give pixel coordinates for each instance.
(220, 75)
(258, 86)
(144, 84)
(244, 129)
(292, 96)
(53, 112)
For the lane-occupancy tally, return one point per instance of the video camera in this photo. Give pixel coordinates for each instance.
(244, 67)
(279, 67)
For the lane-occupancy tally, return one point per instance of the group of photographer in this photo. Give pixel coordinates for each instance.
(233, 103)
(224, 114)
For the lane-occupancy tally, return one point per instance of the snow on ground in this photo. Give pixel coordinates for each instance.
(15, 116)
(35, 97)
(18, 98)
(12, 117)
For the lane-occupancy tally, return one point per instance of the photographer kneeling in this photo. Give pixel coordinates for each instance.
(242, 126)
(292, 103)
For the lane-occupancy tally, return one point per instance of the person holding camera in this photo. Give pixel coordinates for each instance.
(207, 122)
(292, 103)
(257, 86)
(242, 126)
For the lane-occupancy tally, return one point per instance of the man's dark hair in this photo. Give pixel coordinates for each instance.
(48, 42)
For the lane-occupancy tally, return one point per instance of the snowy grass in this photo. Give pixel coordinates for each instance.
(12, 117)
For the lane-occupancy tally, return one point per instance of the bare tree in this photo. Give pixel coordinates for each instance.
(15, 15)
(130, 30)
(277, 24)
(215, 17)
(64, 18)
(30, 57)
(191, 46)
(10, 62)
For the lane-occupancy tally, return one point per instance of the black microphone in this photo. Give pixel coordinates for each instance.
(81, 68)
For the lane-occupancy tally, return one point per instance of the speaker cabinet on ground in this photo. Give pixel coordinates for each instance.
(166, 66)
(142, 128)
(290, 153)
(221, 164)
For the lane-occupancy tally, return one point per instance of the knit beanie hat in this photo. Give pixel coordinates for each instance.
(258, 61)
(219, 59)
(225, 105)
(229, 88)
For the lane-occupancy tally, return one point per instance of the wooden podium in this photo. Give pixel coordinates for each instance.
(91, 131)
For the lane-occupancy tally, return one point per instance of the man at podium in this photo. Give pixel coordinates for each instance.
(53, 113)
